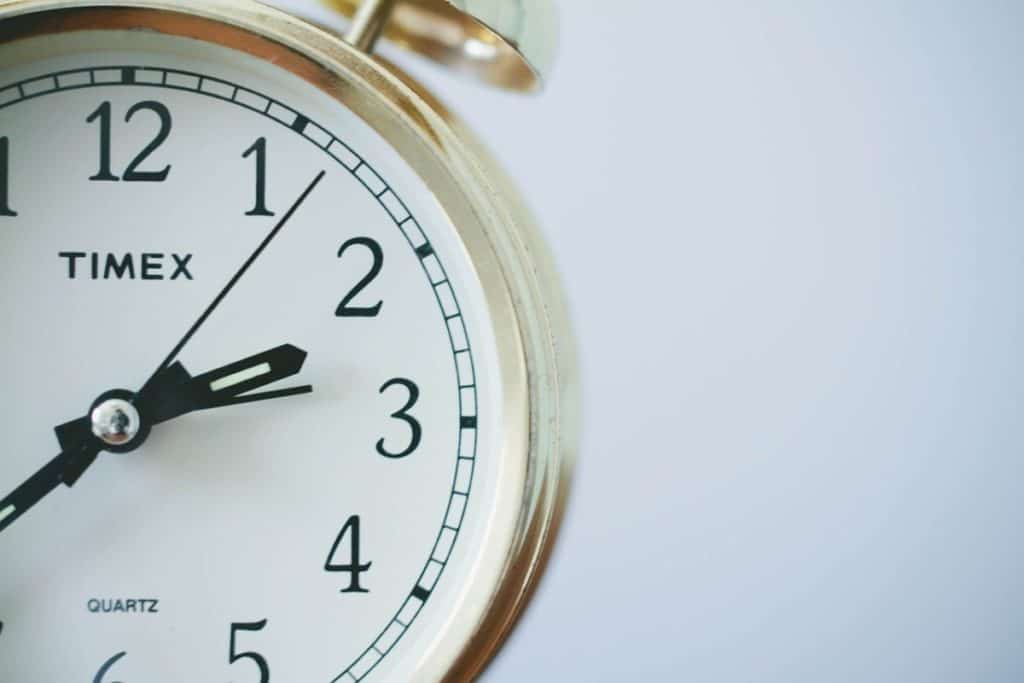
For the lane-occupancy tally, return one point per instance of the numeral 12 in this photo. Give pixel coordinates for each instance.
(5, 207)
(132, 174)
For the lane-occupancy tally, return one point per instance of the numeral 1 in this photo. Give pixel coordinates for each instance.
(259, 148)
(103, 114)
(353, 567)
(5, 207)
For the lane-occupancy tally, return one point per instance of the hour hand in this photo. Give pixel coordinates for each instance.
(65, 468)
(174, 392)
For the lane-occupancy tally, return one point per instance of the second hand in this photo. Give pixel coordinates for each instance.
(233, 281)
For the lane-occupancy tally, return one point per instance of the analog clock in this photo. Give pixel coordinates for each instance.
(288, 386)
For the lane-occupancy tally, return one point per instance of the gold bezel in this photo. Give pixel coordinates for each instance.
(523, 293)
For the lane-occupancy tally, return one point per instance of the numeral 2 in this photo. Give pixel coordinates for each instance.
(5, 148)
(353, 567)
(132, 173)
(345, 309)
(258, 659)
(259, 148)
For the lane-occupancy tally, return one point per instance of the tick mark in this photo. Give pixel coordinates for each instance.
(468, 422)
(300, 124)
(421, 593)
(425, 250)
(128, 75)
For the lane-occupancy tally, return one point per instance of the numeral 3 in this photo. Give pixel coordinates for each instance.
(403, 414)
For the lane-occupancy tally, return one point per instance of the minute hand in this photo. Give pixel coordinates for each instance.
(169, 360)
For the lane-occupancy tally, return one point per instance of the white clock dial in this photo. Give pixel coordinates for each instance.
(322, 536)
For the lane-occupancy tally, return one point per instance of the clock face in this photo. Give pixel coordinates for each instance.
(237, 288)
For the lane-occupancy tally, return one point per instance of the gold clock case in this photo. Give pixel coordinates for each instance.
(522, 289)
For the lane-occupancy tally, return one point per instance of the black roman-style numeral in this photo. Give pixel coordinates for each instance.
(5, 162)
(345, 308)
(259, 148)
(132, 174)
(255, 658)
(403, 415)
(101, 675)
(354, 568)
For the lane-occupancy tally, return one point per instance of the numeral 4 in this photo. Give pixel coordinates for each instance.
(354, 568)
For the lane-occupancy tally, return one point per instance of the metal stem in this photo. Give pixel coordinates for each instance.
(368, 24)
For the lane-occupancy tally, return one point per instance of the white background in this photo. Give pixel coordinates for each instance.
(792, 235)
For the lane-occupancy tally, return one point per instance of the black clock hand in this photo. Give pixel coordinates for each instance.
(40, 484)
(234, 280)
(173, 393)
(69, 466)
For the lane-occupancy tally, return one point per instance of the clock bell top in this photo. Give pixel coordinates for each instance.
(510, 44)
